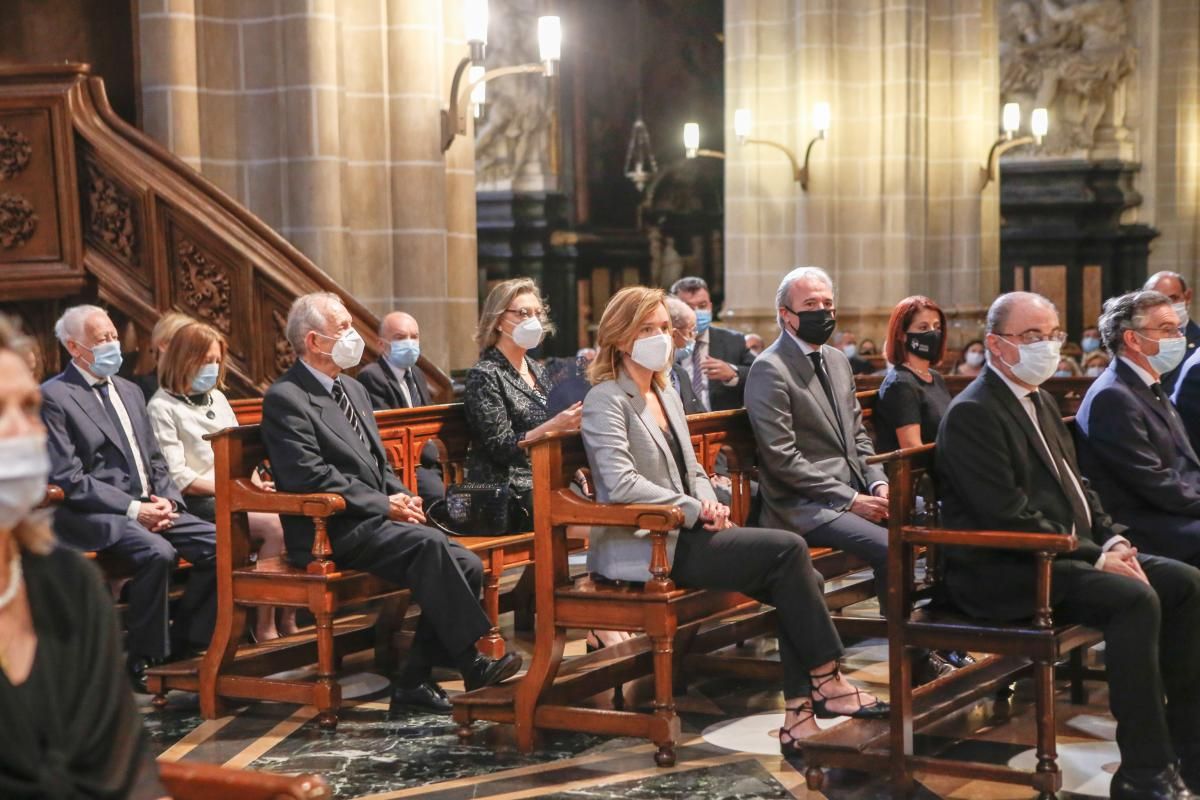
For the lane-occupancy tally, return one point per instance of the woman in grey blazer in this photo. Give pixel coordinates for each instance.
(637, 442)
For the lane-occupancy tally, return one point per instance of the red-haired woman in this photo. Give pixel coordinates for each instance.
(913, 397)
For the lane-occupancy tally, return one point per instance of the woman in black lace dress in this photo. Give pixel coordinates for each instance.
(507, 392)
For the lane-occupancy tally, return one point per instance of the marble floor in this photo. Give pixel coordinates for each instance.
(728, 749)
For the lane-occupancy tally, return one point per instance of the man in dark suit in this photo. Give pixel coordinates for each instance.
(395, 381)
(683, 332)
(120, 499)
(1175, 287)
(1006, 462)
(718, 366)
(1186, 397)
(1133, 447)
(321, 437)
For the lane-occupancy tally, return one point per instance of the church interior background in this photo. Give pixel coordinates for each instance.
(327, 121)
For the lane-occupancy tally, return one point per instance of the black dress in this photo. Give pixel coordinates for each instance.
(71, 729)
(500, 409)
(905, 399)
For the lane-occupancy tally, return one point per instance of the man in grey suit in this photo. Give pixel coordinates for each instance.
(814, 478)
(683, 334)
(119, 498)
(321, 437)
(395, 381)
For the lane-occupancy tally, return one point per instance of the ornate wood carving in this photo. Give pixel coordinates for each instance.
(17, 221)
(110, 216)
(15, 152)
(284, 356)
(203, 287)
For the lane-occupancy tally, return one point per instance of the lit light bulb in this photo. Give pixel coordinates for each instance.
(742, 123)
(475, 22)
(1010, 118)
(1039, 123)
(478, 88)
(691, 138)
(549, 42)
(820, 118)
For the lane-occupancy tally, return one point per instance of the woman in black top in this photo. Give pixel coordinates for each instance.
(68, 724)
(913, 397)
(507, 392)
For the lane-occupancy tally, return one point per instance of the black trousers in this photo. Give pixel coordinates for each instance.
(1152, 650)
(151, 557)
(859, 537)
(444, 577)
(1162, 534)
(772, 566)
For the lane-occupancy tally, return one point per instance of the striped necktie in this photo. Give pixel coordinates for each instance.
(343, 400)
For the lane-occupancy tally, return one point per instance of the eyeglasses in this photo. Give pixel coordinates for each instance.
(524, 313)
(1033, 337)
(1169, 331)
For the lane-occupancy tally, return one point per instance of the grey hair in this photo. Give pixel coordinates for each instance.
(308, 314)
(688, 285)
(1002, 308)
(1127, 312)
(70, 324)
(678, 310)
(795, 276)
(1166, 273)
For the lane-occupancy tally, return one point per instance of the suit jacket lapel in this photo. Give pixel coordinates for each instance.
(1146, 396)
(1013, 406)
(332, 415)
(802, 368)
(393, 384)
(90, 404)
(130, 402)
(647, 419)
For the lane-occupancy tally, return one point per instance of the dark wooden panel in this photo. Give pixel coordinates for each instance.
(28, 212)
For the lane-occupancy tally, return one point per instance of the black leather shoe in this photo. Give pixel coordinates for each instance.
(135, 667)
(957, 658)
(486, 671)
(427, 696)
(1164, 785)
(930, 668)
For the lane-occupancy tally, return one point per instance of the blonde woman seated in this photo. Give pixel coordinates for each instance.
(188, 405)
(639, 449)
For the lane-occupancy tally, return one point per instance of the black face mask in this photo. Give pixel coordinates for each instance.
(815, 327)
(924, 344)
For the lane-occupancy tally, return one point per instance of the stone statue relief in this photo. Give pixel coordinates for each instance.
(1072, 57)
(512, 140)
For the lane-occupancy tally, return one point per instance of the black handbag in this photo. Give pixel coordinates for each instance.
(479, 509)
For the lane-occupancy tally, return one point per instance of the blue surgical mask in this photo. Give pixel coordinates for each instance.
(206, 378)
(1170, 353)
(1090, 344)
(851, 350)
(404, 353)
(686, 351)
(703, 320)
(106, 359)
(1063, 373)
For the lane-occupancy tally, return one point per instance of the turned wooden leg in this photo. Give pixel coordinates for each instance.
(664, 694)
(159, 701)
(492, 644)
(1048, 777)
(664, 756)
(814, 779)
(327, 693)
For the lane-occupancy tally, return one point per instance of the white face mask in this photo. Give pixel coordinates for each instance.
(1038, 362)
(1181, 311)
(1095, 372)
(974, 359)
(1170, 353)
(528, 334)
(347, 349)
(24, 473)
(653, 352)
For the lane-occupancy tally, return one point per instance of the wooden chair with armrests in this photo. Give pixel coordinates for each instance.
(196, 781)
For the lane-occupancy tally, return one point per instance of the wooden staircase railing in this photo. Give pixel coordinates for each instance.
(93, 209)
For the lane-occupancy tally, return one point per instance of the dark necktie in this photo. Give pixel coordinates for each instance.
(819, 368)
(135, 480)
(414, 394)
(1049, 425)
(343, 400)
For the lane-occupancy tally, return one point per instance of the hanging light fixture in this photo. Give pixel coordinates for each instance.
(640, 164)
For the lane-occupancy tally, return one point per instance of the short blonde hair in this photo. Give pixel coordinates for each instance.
(186, 354)
(167, 326)
(618, 329)
(33, 533)
(487, 333)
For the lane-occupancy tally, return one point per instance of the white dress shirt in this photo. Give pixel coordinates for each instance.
(135, 506)
(180, 428)
(323, 379)
(401, 375)
(1022, 395)
(1146, 377)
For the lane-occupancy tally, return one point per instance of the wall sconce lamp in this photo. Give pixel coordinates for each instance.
(1010, 121)
(743, 124)
(454, 119)
(691, 143)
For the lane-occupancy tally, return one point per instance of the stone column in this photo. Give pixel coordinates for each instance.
(893, 204)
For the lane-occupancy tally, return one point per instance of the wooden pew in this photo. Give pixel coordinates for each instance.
(192, 780)
(683, 627)
(228, 671)
(1016, 650)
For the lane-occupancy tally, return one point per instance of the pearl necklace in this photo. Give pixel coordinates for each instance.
(15, 575)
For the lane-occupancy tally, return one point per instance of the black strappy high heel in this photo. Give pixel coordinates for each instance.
(791, 747)
(875, 710)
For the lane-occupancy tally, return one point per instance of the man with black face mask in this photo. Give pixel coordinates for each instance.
(812, 445)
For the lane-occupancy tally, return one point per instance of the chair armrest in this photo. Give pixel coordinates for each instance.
(568, 508)
(245, 496)
(994, 540)
(192, 780)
